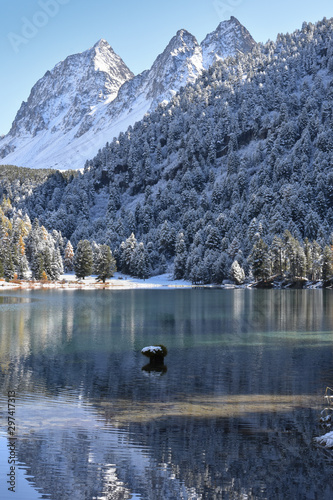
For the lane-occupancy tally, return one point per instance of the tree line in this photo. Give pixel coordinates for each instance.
(28, 250)
(246, 149)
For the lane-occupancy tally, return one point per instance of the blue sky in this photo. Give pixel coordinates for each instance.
(37, 34)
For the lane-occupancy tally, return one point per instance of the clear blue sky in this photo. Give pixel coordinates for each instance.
(37, 34)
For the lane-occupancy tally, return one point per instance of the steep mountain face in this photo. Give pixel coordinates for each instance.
(59, 101)
(64, 95)
(230, 38)
(178, 65)
(91, 97)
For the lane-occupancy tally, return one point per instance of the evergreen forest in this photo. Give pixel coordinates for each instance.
(231, 180)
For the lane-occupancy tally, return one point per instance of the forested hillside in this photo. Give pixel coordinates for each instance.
(237, 167)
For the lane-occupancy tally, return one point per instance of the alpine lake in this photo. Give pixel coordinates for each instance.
(232, 414)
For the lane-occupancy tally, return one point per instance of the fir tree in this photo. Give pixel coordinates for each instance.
(327, 267)
(127, 251)
(69, 257)
(237, 273)
(180, 258)
(141, 265)
(83, 259)
(259, 259)
(106, 264)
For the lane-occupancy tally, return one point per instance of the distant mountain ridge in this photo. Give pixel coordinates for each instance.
(89, 98)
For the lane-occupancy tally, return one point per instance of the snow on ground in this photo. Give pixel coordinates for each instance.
(118, 282)
(123, 281)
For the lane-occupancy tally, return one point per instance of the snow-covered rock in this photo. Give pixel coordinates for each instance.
(155, 353)
(326, 440)
(155, 349)
(229, 38)
(91, 97)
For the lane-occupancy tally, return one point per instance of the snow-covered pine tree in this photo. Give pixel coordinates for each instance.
(127, 251)
(105, 266)
(237, 273)
(141, 263)
(259, 259)
(180, 258)
(69, 257)
(83, 259)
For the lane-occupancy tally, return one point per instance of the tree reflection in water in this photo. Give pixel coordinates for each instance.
(234, 415)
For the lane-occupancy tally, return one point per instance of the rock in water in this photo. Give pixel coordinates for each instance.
(155, 353)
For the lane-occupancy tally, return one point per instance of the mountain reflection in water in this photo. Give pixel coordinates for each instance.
(233, 416)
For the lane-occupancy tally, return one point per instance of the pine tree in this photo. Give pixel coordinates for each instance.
(37, 266)
(106, 264)
(57, 267)
(277, 255)
(259, 260)
(127, 250)
(83, 259)
(23, 267)
(316, 260)
(9, 269)
(141, 265)
(237, 273)
(166, 243)
(69, 257)
(327, 266)
(180, 258)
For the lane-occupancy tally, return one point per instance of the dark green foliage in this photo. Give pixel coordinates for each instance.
(83, 259)
(259, 259)
(327, 266)
(106, 264)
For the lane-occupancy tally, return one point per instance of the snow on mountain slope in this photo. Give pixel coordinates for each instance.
(91, 97)
(74, 88)
(229, 38)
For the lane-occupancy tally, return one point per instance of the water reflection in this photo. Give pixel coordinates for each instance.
(233, 416)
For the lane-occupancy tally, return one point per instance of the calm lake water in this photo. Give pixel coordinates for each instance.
(233, 415)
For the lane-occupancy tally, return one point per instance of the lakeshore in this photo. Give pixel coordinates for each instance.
(121, 281)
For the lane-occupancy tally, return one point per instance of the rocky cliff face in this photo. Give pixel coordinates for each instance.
(60, 99)
(91, 97)
(229, 38)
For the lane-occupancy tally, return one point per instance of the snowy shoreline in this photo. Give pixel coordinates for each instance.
(118, 282)
(121, 281)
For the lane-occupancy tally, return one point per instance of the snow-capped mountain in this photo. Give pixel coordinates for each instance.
(91, 97)
(229, 38)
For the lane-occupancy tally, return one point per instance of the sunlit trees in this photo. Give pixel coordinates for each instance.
(69, 257)
(237, 273)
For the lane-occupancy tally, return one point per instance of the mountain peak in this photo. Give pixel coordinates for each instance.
(182, 41)
(101, 43)
(73, 88)
(179, 64)
(184, 35)
(90, 97)
(229, 38)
